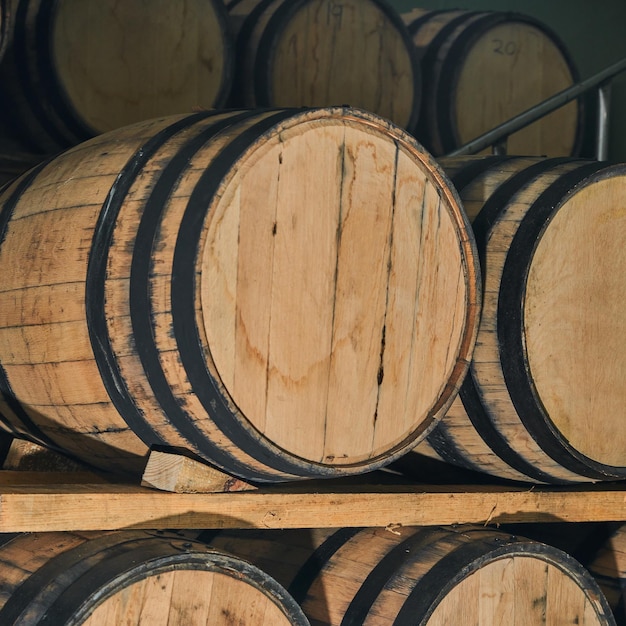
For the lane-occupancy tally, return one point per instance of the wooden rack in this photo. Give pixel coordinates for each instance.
(54, 500)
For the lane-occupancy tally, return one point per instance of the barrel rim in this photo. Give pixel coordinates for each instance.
(68, 586)
(427, 121)
(173, 555)
(471, 270)
(473, 557)
(470, 396)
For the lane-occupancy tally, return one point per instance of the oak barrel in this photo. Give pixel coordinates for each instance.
(481, 68)
(598, 546)
(544, 400)
(326, 53)
(135, 578)
(435, 576)
(283, 293)
(77, 68)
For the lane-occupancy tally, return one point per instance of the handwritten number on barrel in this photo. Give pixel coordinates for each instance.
(509, 48)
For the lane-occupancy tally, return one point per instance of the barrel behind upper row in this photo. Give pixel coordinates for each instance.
(76, 68)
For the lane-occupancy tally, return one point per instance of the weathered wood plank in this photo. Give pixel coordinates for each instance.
(30, 506)
(179, 474)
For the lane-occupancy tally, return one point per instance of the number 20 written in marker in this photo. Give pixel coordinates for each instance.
(504, 47)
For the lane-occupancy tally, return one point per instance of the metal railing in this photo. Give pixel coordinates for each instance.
(497, 137)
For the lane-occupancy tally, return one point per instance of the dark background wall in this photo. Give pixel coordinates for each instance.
(592, 30)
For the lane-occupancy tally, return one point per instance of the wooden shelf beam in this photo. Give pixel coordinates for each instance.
(32, 501)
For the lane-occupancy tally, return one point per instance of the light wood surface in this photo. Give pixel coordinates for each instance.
(319, 53)
(173, 472)
(510, 69)
(435, 576)
(137, 578)
(146, 603)
(115, 59)
(480, 69)
(103, 65)
(39, 502)
(573, 291)
(317, 319)
(551, 303)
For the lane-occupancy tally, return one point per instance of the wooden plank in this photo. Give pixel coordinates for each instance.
(179, 474)
(46, 507)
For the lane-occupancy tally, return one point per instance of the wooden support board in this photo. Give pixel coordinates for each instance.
(31, 501)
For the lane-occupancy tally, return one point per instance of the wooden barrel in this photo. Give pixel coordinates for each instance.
(480, 69)
(326, 53)
(433, 576)
(77, 68)
(598, 546)
(544, 397)
(133, 578)
(284, 293)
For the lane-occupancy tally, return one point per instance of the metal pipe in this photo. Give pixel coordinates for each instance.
(499, 148)
(539, 110)
(602, 130)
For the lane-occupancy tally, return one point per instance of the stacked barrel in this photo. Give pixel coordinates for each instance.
(263, 289)
(75, 69)
(230, 230)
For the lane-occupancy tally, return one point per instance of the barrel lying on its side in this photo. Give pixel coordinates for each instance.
(433, 576)
(133, 578)
(544, 399)
(598, 546)
(481, 68)
(77, 68)
(284, 293)
(322, 53)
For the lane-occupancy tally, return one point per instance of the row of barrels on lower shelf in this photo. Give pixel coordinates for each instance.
(352, 576)
(290, 294)
(73, 69)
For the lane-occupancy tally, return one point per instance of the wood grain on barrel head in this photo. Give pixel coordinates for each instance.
(574, 323)
(122, 62)
(321, 53)
(520, 591)
(330, 309)
(190, 597)
(510, 68)
(140, 578)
